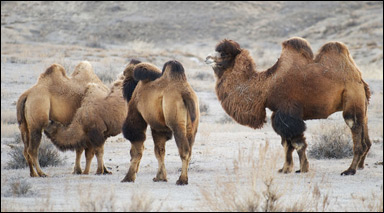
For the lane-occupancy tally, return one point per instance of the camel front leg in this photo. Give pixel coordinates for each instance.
(136, 152)
(77, 169)
(288, 149)
(300, 145)
(89, 153)
(100, 161)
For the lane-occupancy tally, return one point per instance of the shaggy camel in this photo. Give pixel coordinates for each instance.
(54, 97)
(296, 88)
(100, 116)
(166, 102)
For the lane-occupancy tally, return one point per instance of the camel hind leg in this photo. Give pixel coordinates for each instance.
(354, 115)
(25, 139)
(368, 144)
(159, 139)
(185, 154)
(33, 150)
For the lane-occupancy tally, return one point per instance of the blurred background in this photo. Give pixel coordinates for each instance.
(258, 26)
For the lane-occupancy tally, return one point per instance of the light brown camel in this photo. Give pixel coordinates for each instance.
(296, 88)
(165, 101)
(100, 116)
(54, 97)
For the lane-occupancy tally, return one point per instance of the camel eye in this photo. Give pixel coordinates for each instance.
(223, 55)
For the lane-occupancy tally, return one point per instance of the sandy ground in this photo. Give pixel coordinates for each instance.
(227, 158)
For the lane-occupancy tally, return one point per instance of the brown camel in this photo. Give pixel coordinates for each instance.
(296, 88)
(54, 97)
(100, 116)
(166, 102)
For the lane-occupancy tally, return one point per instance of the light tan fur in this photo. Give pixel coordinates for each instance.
(169, 106)
(54, 97)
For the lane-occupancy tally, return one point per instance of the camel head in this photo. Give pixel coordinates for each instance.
(224, 56)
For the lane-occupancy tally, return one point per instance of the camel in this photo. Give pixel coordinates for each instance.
(166, 102)
(56, 97)
(296, 88)
(100, 116)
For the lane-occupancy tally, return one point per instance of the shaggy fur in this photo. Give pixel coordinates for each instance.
(100, 116)
(54, 97)
(297, 88)
(165, 101)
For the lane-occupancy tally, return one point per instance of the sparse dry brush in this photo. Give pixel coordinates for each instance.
(48, 155)
(254, 187)
(332, 140)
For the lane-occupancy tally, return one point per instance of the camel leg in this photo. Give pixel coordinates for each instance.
(25, 138)
(134, 129)
(368, 144)
(100, 161)
(160, 138)
(288, 164)
(89, 153)
(77, 168)
(33, 151)
(136, 152)
(355, 122)
(185, 155)
(300, 145)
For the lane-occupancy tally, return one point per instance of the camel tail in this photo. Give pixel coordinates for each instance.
(367, 91)
(20, 114)
(190, 105)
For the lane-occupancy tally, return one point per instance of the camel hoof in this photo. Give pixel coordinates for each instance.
(348, 172)
(107, 172)
(298, 171)
(77, 172)
(43, 175)
(127, 180)
(159, 180)
(182, 182)
(285, 171)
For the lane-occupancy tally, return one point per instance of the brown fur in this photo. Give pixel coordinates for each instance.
(296, 88)
(100, 116)
(54, 97)
(166, 102)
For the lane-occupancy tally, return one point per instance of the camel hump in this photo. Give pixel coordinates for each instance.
(299, 45)
(332, 48)
(55, 70)
(174, 70)
(146, 72)
(83, 70)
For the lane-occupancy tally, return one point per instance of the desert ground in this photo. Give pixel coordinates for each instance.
(233, 167)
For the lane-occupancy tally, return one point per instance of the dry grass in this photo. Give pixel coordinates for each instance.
(254, 187)
(90, 200)
(373, 203)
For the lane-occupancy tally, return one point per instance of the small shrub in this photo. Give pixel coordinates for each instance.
(333, 141)
(20, 188)
(48, 156)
